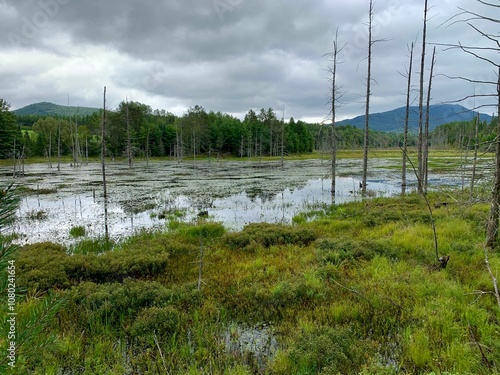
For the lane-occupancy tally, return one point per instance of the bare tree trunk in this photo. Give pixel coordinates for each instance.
(50, 149)
(194, 144)
(333, 70)
(22, 156)
(15, 158)
(147, 147)
(271, 140)
(283, 138)
(425, 150)
(129, 138)
(474, 163)
(367, 107)
(78, 153)
(103, 165)
(407, 120)
(59, 146)
(420, 107)
(200, 268)
(492, 231)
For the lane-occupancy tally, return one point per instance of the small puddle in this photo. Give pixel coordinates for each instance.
(256, 345)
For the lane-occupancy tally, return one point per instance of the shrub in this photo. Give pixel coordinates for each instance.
(205, 231)
(324, 350)
(92, 246)
(41, 266)
(159, 321)
(338, 250)
(113, 304)
(78, 231)
(116, 266)
(268, 235)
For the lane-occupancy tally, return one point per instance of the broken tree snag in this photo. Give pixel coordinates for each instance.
(443, 261)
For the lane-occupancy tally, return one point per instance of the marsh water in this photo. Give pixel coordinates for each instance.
(148, 195)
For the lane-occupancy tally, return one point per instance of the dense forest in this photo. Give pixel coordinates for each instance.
(159, 133)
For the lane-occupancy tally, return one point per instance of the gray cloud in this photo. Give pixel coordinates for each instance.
(226, 55)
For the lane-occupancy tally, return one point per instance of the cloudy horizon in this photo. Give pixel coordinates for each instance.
(232, 55)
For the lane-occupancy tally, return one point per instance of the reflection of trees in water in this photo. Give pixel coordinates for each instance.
(136, 205)
(267, 195)
(202, 202)
(264, 195)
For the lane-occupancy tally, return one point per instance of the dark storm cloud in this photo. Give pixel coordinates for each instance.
(227, 55)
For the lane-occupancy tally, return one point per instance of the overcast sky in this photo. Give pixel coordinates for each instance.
(229, 55)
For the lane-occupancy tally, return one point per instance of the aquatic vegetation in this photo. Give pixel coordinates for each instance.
(352, 288)
(78, 231)
(37, 215)
(354, 291)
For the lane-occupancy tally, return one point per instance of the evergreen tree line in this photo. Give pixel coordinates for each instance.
(159, 133)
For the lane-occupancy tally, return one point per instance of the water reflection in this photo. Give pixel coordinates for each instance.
(235, 193)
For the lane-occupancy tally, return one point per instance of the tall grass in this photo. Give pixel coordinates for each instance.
(355, 291)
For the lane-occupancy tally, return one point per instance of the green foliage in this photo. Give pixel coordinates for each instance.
(9, 202)
(351, 292)
(32, 316)
(91, 246)
(203, 231)
(267, 235)
(42, 266)
(323, 350)
(10, 134)
(159, 321)
(51, 109)
(46, 265)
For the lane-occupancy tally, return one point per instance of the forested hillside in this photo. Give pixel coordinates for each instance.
(135, 128)
(393, 121)
(51, 109)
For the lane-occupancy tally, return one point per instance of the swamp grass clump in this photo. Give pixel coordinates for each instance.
(355, 291)
(37, 191)
(37, 215)
(78, 231)
(267, 235)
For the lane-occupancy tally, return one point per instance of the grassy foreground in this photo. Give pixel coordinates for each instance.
(354, 291)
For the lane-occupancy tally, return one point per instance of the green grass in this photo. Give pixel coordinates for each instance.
(78, 231)
(354, 291)
(393, 153)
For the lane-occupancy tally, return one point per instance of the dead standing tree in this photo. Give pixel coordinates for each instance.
(420, 140)
(371, 43)
(407, 120)
(367, 106)
(425, 150)
(487, 53)
(334, 102)
(103, 166)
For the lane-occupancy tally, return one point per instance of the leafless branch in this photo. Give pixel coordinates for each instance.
(478, 16)
(489, 4)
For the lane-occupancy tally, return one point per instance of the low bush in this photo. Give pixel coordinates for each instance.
(78, 231)
(44, 266)
(159, 321)
(41, 267)
(267, 235)
(339, 250)
(323, 350)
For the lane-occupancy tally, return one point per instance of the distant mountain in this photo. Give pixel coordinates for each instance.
(393, 121)
(51, 109)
